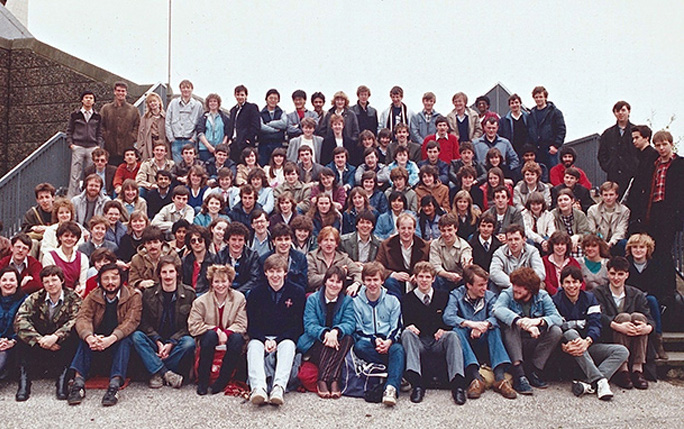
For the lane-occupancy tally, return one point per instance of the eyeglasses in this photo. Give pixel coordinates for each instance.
(196, 240)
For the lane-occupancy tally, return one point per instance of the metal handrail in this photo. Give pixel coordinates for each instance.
(16, 187)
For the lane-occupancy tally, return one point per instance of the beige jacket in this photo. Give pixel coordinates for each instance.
(204, 315)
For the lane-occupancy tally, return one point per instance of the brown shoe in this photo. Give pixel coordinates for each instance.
(505, 388)
(639, 381)
(623, 380)
(476, 388)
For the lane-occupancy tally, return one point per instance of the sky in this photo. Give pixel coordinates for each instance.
(587, 54)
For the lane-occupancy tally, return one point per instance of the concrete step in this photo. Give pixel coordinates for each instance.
(676, 359)
(673, 341)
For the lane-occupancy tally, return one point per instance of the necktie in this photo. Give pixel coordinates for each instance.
(486, 246)
(426, 299)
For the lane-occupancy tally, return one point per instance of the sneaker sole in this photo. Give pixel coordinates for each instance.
(389, 402)
(276, 401)
(257, 400)
(606, 397)
(577, 389)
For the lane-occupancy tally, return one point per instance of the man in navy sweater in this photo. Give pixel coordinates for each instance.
(425, 331)
(581, 327)
(275, 310)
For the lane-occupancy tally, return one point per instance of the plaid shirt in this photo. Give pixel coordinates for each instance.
(658, 186)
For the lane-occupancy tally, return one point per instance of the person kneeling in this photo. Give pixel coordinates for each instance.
(426, 332)
(104, 323)
(218, 318)
(162, 340)
(328, 325)
(275, 309)
(378, 320)
(581, 314)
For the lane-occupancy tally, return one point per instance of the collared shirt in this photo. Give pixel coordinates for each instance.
(20, 266)
(619, 300)
(261, 247)
(453, 258)
(118, 295)
(87, 114)
(364, 249)
(659, 180)
(54, 306)
(182, 117)
(406, 253)
(486, 244)
(421, 296)
(477, 304)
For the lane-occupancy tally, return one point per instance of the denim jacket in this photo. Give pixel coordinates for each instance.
(508, 310)
(458, 310)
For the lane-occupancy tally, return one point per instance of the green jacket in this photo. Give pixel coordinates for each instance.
(33, 318)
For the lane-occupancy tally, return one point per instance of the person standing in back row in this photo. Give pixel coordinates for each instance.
(546, 127)
(120, 122)
(182, 116)
(84, 134)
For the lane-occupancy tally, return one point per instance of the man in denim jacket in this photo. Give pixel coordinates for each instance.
(530, 322)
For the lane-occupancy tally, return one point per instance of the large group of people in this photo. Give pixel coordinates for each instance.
(466, 241)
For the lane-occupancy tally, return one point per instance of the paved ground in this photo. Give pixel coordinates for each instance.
(658, 408)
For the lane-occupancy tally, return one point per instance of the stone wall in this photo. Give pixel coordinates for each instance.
(42, 86)
(4, 109)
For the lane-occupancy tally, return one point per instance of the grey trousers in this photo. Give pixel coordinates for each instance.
(80, 160)
(609, 357)
(519, 343)
(449, 345)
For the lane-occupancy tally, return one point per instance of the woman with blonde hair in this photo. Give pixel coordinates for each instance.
(152, 127)
(340, 107)
(468, 214)
(327, 255)
(218, 318)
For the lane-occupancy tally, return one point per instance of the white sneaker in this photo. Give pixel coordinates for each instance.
(277, 395)
(603, 390)
(172, 379)
(579, 388)
(258, 396)
(389, 397)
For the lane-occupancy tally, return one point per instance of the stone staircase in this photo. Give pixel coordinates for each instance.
(674, 345)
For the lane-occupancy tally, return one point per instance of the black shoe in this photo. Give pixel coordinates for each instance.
(417, 394)
(76, 394)
(536, 380)
(111, 396)
(459, 395)
(202, 389)
(218, 386)
(62, 385)
(24, 389)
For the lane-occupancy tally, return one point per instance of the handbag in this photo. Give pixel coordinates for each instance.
(358, 376)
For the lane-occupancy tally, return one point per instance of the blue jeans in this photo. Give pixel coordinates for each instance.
(177, 148)
(147, 350)
(394, 359)
(490, 342)
(654, 307)
(395, 287)
(117, 352)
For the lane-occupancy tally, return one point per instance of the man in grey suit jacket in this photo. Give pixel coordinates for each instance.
(504, 213)
(361, 246)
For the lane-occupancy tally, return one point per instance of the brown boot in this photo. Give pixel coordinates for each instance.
(505, 389)
(660, 350)
(476, 388)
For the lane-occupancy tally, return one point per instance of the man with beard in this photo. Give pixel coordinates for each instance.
(104, 323)
(568, 156)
